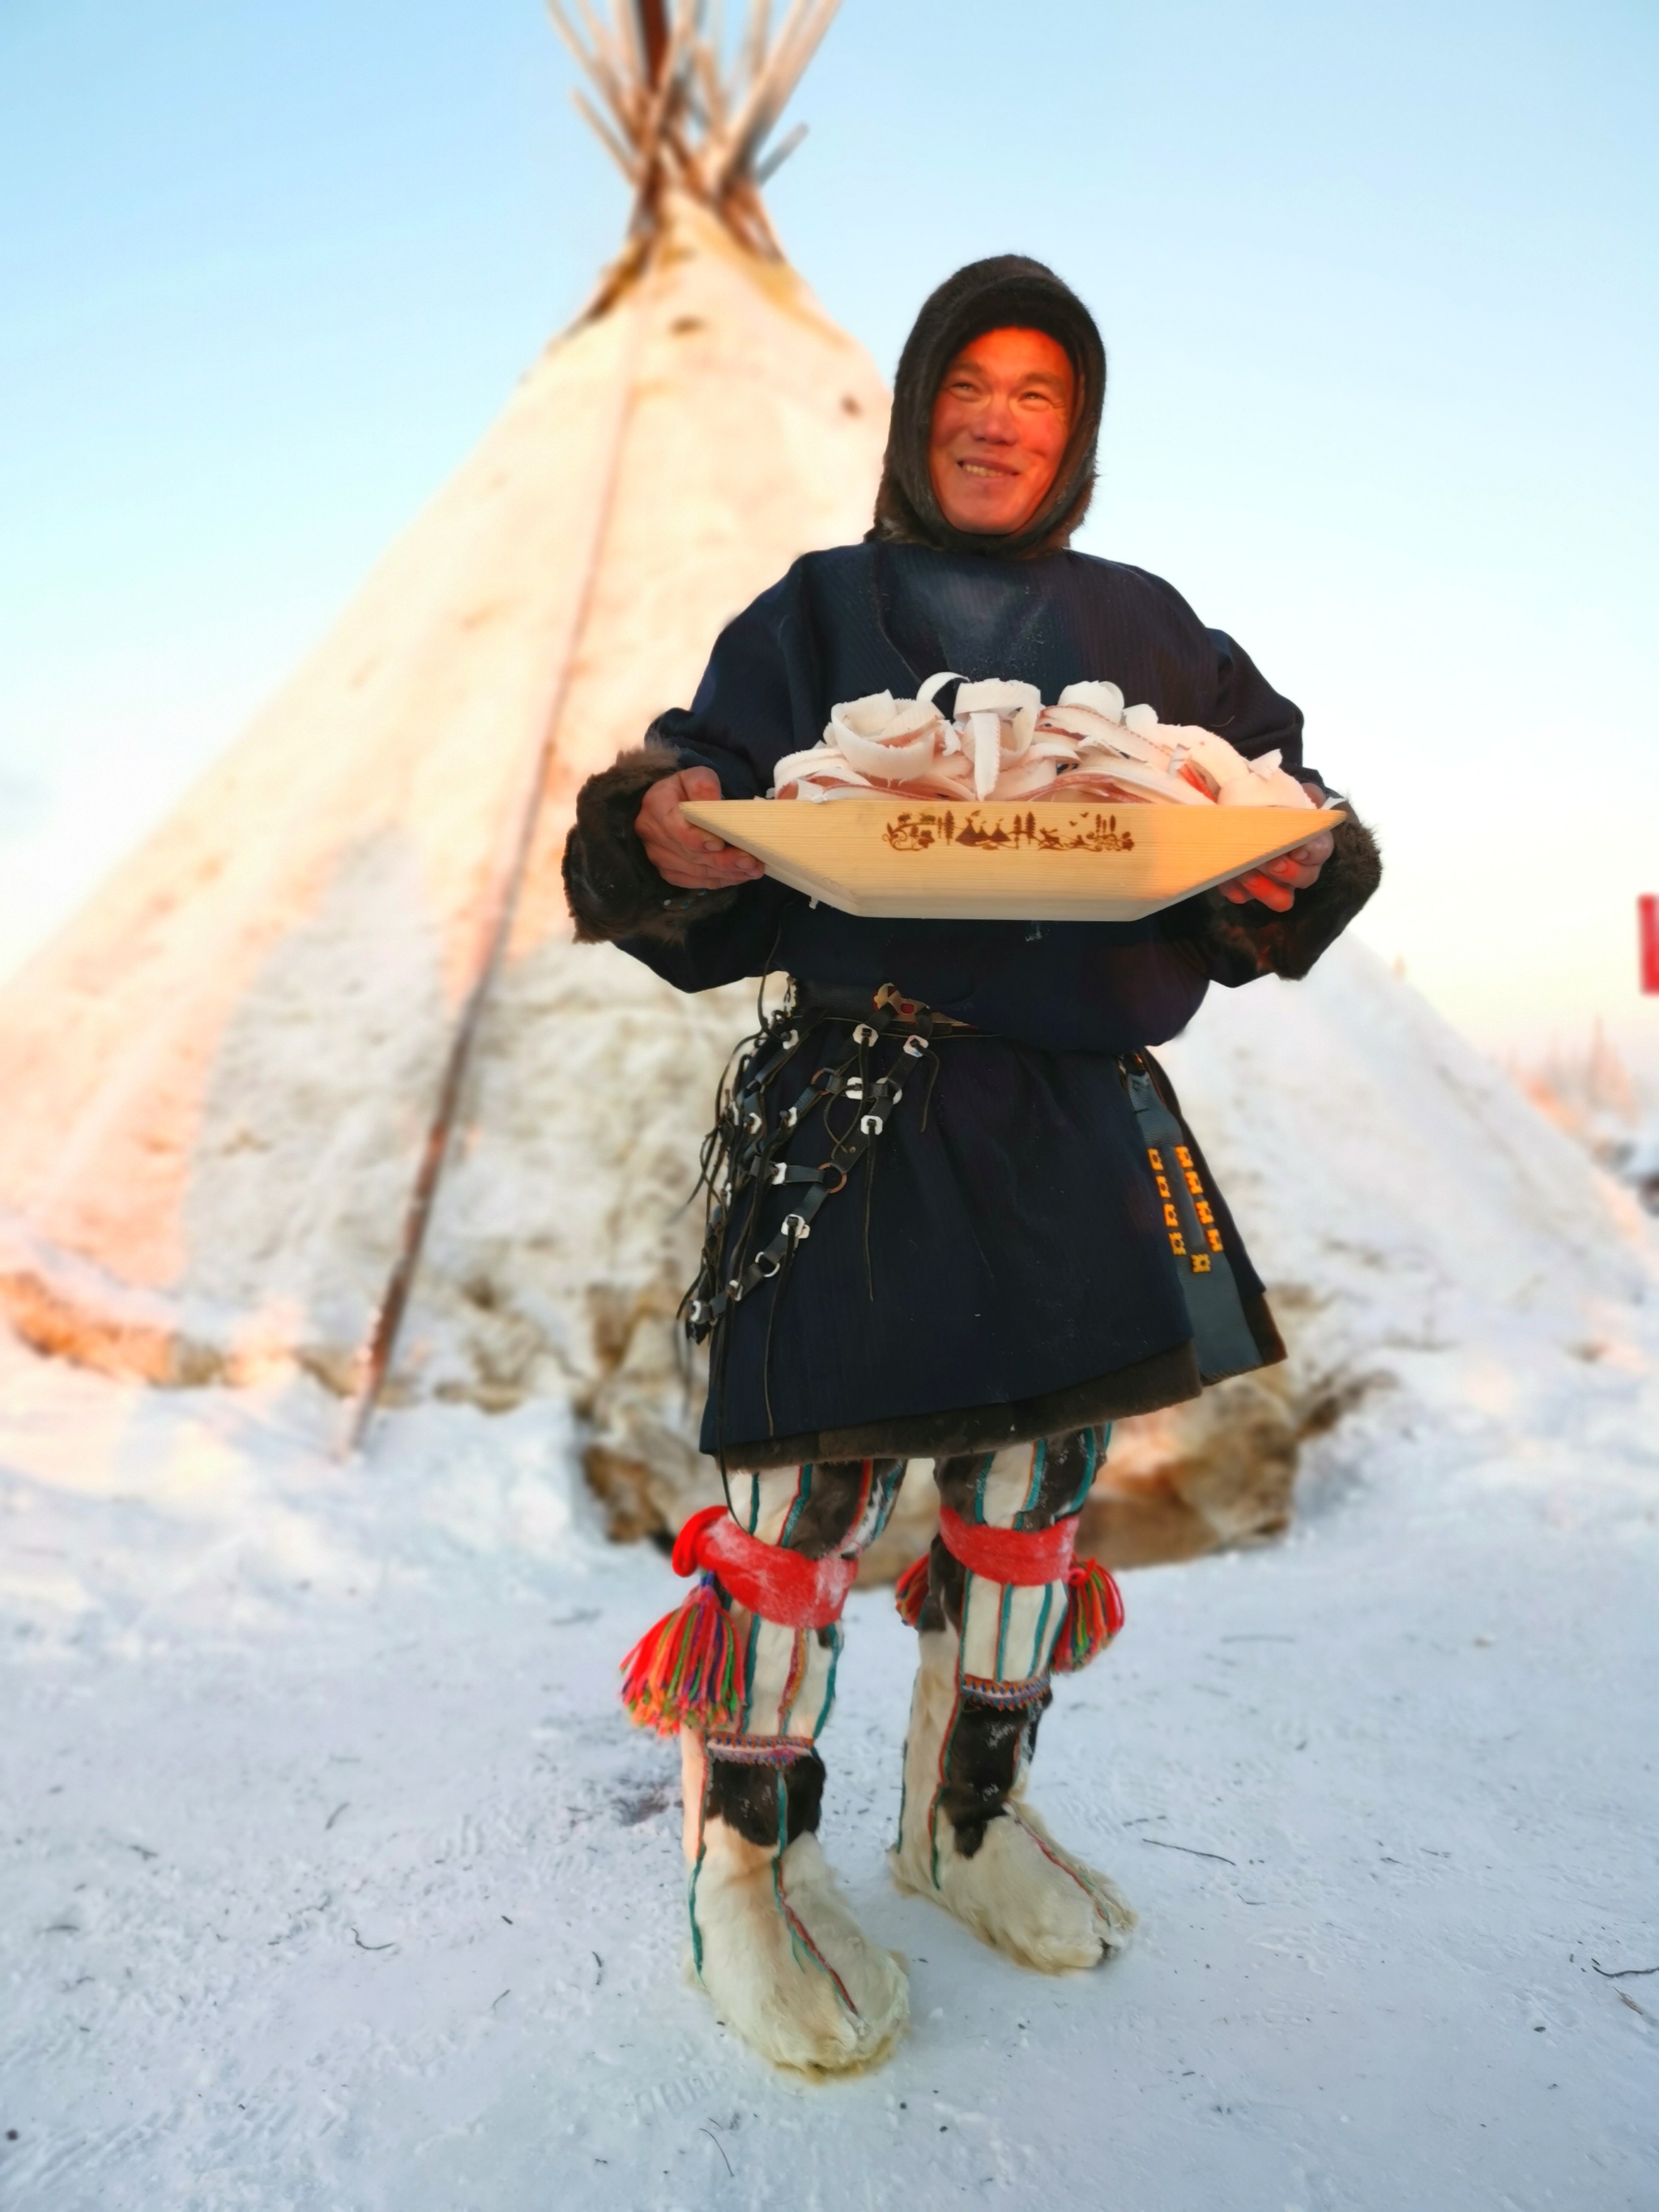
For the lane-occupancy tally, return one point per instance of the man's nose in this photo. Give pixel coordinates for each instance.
(996, 423)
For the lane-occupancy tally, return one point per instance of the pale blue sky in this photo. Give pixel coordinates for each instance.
(1378, 288)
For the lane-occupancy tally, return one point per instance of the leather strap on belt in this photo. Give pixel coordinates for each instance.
(853, 1002)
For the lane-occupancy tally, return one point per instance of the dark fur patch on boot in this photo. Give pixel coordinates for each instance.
(613, 889)
(766, 1805)
(985, 1749)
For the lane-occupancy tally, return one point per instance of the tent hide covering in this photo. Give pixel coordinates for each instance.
(226, 1069)
(323, 1045)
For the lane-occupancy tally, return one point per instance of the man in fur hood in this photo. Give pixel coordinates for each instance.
(1014, 1237)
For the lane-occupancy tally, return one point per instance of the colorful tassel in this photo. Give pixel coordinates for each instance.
(684, 1671)
(1094, 1614)
(910, 1591)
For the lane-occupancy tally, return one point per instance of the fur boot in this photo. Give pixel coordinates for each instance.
(745, 1671)
(773, 1941)
(998, 1601)
(969, 1840)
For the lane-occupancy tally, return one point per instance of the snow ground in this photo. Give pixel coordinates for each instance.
(333, 1879)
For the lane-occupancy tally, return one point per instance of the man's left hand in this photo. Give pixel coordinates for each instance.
(1277, 883)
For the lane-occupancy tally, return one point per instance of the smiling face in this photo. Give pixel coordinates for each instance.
(1000, 421)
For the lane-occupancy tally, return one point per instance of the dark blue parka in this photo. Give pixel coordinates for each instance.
(999, 1266)
(875, 618)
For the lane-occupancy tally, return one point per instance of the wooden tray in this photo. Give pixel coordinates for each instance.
(1003, 863)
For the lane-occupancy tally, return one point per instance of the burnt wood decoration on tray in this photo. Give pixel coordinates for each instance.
(1052, 863)
(1098, 833)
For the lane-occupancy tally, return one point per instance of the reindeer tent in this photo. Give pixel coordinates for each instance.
(327, 1023)
(332, 1005)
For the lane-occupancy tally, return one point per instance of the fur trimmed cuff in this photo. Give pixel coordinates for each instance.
(611, 887)
(1235, 944)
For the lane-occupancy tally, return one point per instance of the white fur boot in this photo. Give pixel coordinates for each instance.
(773, 1941)
(995, 1866)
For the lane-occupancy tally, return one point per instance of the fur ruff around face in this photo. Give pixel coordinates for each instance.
(1001, 1874)
(776, 1947)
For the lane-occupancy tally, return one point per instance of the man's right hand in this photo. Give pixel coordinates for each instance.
(692, 859)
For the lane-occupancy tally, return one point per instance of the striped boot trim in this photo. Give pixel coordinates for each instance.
(756, 1750)
(1012, 1697)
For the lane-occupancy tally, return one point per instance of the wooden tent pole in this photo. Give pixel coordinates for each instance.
(651, 40)
(653, 35)
(375, 1357)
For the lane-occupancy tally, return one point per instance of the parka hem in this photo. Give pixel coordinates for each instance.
(1145, 1386)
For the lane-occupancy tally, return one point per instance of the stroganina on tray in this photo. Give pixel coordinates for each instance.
(1004, 743)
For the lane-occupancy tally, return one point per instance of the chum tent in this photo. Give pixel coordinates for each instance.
(320, 1056)
(230, 1069)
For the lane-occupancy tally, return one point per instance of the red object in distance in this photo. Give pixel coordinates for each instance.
(1647, 914)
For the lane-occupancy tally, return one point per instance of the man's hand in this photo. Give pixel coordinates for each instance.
(1278, 882)
(683, 854)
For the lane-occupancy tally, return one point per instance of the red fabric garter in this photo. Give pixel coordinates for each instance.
(1023, 1557)
(781, 1586)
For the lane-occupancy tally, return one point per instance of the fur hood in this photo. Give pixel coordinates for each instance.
(1007, 292)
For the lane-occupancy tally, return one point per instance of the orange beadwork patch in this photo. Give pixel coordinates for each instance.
(1199, 1261)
